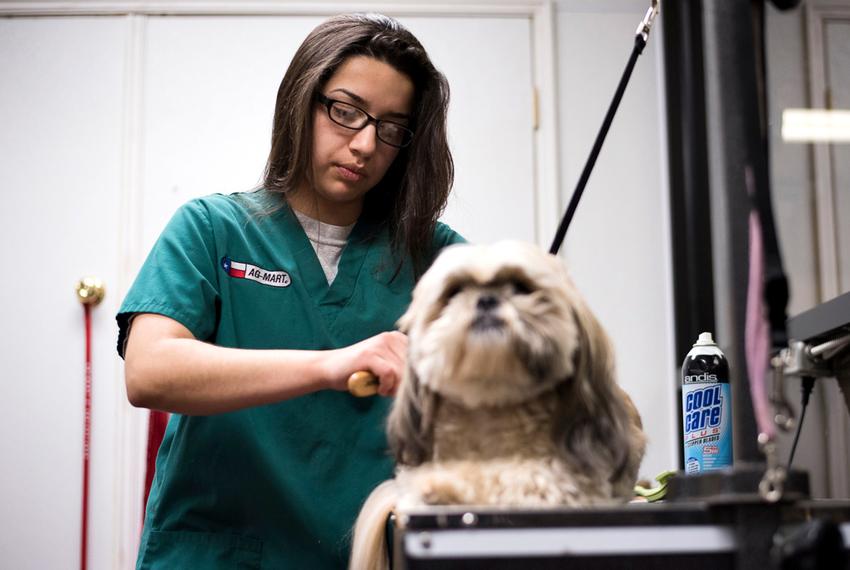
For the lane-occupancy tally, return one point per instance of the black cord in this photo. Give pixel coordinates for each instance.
(640, 43)
(806, 390)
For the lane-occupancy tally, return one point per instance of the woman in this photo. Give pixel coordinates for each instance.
(253, 309)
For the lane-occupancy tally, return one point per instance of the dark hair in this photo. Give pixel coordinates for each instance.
(413, 193)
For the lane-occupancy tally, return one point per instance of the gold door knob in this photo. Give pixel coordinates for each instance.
(90, 290)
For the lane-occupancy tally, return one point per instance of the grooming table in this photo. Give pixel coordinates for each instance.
(695, 535)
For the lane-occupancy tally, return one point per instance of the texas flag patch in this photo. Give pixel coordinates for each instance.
(242, 270)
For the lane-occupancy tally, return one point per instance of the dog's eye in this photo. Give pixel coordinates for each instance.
(451, 291)
(520, 287)
(513, 283)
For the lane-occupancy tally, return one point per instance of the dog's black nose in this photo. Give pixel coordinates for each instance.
(487, 302)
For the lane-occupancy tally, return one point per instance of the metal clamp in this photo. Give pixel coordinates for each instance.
(646, 24)
(801, 359)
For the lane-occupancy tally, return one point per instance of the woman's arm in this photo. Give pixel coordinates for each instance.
(166, 368)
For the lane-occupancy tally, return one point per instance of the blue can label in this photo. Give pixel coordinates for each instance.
(706, 409)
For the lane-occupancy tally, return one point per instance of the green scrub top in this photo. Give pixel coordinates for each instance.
(275, 486)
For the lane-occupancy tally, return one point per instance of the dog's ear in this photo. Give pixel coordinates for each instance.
(595, 428)
(410, 429)
(410, 425)
(405, 322)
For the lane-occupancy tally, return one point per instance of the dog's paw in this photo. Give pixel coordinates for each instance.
(438, 488)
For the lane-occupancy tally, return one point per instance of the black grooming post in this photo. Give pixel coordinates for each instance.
(641, 37)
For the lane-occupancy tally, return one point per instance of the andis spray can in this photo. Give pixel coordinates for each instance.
(706, 407)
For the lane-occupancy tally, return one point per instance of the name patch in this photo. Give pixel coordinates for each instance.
(242, 270)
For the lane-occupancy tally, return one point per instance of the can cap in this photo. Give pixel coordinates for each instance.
(705, 340)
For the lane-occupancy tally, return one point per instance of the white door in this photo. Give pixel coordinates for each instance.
(829, 37)
(60, 177)
(837, 63)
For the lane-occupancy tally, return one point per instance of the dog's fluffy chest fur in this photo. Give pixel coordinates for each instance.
(501, 456)
(519, 432)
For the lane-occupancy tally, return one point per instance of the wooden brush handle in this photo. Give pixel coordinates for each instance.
(362, 384)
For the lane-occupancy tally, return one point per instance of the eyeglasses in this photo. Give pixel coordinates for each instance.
(354, 118)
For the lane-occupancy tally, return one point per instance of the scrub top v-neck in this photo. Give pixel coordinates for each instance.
(275, 486)
(329, 298)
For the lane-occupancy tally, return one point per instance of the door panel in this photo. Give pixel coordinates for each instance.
(837, 56)
(837, 71)
(60, 175)
(209, 95)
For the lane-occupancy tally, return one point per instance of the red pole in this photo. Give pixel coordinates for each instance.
(86, 442)
(90, 292)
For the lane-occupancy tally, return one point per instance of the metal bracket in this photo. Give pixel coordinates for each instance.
(802, 359)
(805, 361)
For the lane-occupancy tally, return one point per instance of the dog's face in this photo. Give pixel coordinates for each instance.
(492, 325)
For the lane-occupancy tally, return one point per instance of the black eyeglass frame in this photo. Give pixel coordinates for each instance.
(327, 102)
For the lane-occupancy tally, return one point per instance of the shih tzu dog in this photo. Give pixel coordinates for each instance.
(509, 397)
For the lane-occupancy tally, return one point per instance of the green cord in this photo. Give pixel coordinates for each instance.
(655, 493)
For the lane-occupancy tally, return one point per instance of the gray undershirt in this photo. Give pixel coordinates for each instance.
(328, 242)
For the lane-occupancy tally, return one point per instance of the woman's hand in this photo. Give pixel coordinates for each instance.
(384, 355)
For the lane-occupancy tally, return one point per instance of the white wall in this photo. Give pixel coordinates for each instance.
(197, 89)
(618, 247)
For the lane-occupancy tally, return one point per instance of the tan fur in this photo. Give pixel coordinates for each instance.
(369, 548)
(509, 397)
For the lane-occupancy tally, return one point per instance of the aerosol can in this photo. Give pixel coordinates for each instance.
(706, 407)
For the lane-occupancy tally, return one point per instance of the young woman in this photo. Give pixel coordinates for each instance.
(253, 309)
